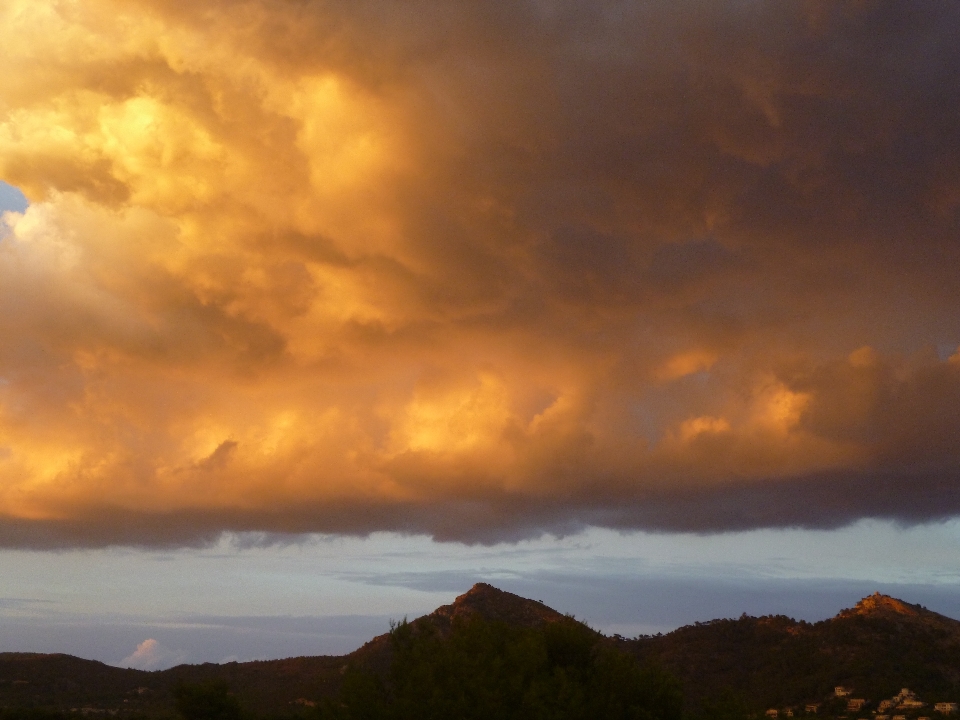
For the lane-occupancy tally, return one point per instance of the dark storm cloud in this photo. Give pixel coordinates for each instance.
(481, 271)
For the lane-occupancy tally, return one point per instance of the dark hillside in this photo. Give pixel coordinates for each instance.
(481, 601)
(876, 648)
(35, 680)
(264, 687)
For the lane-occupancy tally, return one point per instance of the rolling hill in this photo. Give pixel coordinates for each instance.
(877, 647)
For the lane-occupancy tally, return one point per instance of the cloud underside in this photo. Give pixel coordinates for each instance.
(477, 272)
(823, 502)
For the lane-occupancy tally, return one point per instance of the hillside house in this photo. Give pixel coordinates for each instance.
(841, 691)
(899, 717)
(910, 705)
(881, 717)
(855, 704)
(772, 713)
(945, 707)
(886, 705)
(811, 708)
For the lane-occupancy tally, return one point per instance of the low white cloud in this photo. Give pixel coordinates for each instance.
(151, 655)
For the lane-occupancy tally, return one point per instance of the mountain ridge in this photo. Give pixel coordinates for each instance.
(877, 646)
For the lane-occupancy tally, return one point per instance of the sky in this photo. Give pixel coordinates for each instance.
(314, 312)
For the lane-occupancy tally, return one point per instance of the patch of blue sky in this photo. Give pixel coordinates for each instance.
(11, 199)
(947, 350)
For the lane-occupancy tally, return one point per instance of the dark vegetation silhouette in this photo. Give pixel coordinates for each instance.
(31, 714)
(210, 700)
(726, 704)
(494, 654)
(746, 665)
(490, 669)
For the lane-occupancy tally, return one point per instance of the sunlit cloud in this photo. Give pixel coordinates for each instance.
(476, 272)
(151, 655)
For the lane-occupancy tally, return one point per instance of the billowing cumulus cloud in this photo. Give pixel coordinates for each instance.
(476, 270)
(151, 655)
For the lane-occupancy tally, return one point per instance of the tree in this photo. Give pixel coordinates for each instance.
(482, 669)
(206, 701)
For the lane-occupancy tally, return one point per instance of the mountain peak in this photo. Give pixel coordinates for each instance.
(492, 603)
(883, 605)
(482, 600)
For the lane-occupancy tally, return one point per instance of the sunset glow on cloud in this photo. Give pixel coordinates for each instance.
(481, 271)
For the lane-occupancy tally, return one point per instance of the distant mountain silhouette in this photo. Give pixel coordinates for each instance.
(876, 647)
(482, 600)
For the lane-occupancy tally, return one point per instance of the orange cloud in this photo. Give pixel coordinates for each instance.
(475, 272)
(685, 364)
